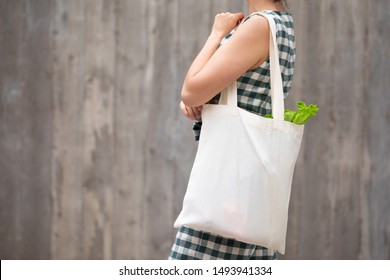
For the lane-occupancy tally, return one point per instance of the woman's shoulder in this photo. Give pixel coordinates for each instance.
(256, 24)
(250, 29)
(283, 20)
(283, 17)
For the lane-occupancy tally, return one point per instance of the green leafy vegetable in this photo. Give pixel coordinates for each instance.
(302, 116)
(289, 115)
(305, 112)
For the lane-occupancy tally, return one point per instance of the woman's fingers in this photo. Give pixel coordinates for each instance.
(190, 112)
(195, 113)
(236, 16)
(239, 17)
(225, 22)
(184, 110)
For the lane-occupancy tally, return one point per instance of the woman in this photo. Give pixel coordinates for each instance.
(236, 49)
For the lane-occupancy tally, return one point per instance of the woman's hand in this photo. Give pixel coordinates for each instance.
(192, 113)
(225, 22)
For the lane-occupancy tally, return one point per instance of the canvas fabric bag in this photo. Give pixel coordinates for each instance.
(241, 178)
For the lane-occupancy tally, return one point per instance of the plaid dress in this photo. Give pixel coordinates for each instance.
(253, 94)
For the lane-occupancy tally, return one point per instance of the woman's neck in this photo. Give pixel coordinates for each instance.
(261, 5)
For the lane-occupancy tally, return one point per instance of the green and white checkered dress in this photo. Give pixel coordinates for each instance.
(192, 244)
(253, 89)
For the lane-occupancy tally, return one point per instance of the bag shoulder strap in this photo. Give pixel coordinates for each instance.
(277, 95)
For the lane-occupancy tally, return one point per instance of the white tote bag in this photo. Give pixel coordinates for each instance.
(240, 182)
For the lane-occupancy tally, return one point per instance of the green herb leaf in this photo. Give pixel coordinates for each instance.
(305, 113)
(289, 115)
(302, 116)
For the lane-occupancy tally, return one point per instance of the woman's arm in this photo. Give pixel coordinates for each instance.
(215, 68)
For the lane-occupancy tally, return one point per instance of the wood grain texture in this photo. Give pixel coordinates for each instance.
(66, 188)
(377, 133)
(25, 129)
(333, 194)
(95, 154)
(331, 165)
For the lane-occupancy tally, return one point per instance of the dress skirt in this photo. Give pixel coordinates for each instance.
(192, 244)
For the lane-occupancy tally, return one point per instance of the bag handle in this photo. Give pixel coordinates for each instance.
(229, 94)
(277, 95)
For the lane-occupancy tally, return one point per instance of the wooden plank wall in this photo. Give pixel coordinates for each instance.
(95, 154)
(340, 205)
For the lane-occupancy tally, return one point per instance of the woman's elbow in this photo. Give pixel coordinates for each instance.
(189, 97)
(188, 100)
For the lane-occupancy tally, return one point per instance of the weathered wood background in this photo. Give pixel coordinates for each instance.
(95, 154)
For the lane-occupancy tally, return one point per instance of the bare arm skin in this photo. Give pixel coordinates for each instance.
(215, 68)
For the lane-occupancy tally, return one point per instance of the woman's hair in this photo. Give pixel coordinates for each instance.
(284, 2)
